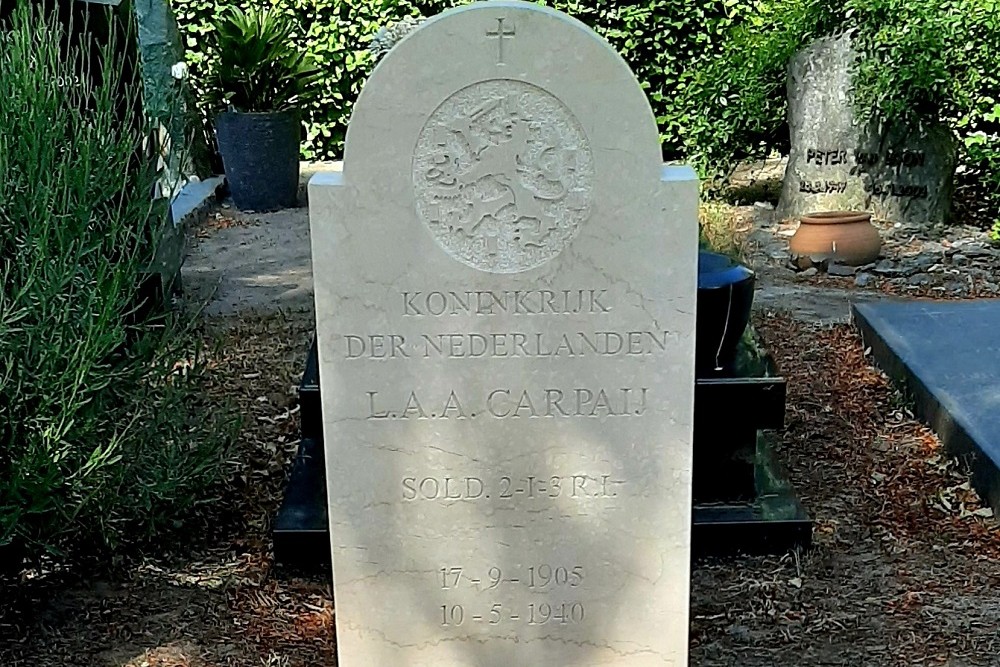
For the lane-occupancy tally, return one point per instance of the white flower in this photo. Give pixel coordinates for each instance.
(179, 71)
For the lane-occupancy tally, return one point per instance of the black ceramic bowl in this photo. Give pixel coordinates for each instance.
(725, 296)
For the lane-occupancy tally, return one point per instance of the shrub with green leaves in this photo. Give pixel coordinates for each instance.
(919, 61)
(741, 91)
(104, 438)
(980, 125)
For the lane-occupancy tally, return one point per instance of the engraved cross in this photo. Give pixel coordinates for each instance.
(499, 34)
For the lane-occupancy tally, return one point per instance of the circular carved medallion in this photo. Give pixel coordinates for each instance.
(503, 176)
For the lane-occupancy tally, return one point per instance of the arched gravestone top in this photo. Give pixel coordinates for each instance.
(505, 280)
(467, 94)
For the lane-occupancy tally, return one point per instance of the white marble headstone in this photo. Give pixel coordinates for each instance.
(505, 298)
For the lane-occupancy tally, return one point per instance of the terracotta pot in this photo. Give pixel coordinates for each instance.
(846, 237)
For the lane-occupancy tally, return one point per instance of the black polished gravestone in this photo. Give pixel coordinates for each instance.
(742, 500)
(946, 357)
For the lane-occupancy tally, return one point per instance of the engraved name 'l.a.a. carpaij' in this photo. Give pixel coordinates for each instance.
(513, 403)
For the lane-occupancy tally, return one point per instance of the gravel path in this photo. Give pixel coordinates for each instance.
(245, 262)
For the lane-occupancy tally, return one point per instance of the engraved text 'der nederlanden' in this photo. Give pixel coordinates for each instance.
(503, 176)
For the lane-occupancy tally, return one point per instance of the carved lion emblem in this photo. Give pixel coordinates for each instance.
(503, 175)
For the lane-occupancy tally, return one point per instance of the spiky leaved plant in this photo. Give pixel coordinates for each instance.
(260, 68)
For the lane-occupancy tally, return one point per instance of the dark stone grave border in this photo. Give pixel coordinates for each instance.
(945, 357)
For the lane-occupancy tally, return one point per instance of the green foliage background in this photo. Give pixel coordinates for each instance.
(661, 39)
(920, 61)
(714, 70)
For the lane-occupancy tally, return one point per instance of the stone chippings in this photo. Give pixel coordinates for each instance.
(957, 261)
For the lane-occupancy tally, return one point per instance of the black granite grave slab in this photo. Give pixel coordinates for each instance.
(301, 532)
(725, 447)
(945, 356)
(771, 521)
(743, 502)
(311, 409)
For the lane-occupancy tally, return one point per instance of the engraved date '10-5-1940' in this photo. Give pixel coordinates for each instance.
(535, 613)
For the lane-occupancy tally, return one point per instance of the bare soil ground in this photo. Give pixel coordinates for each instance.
(250, 262)
(904, 569)
(240, 262)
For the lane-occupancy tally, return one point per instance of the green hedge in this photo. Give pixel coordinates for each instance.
(714, 70)
(663, 40)
(920, 62)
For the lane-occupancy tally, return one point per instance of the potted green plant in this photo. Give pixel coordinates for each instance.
(263, 78)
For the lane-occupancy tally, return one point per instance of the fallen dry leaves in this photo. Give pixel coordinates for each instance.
(902, 572)
(905, 558)
(223, 219)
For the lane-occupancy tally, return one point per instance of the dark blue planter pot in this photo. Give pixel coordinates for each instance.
(260, 152)
(725, 296)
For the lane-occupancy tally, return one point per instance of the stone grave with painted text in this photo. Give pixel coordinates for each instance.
(505, 280)
(899, 173)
